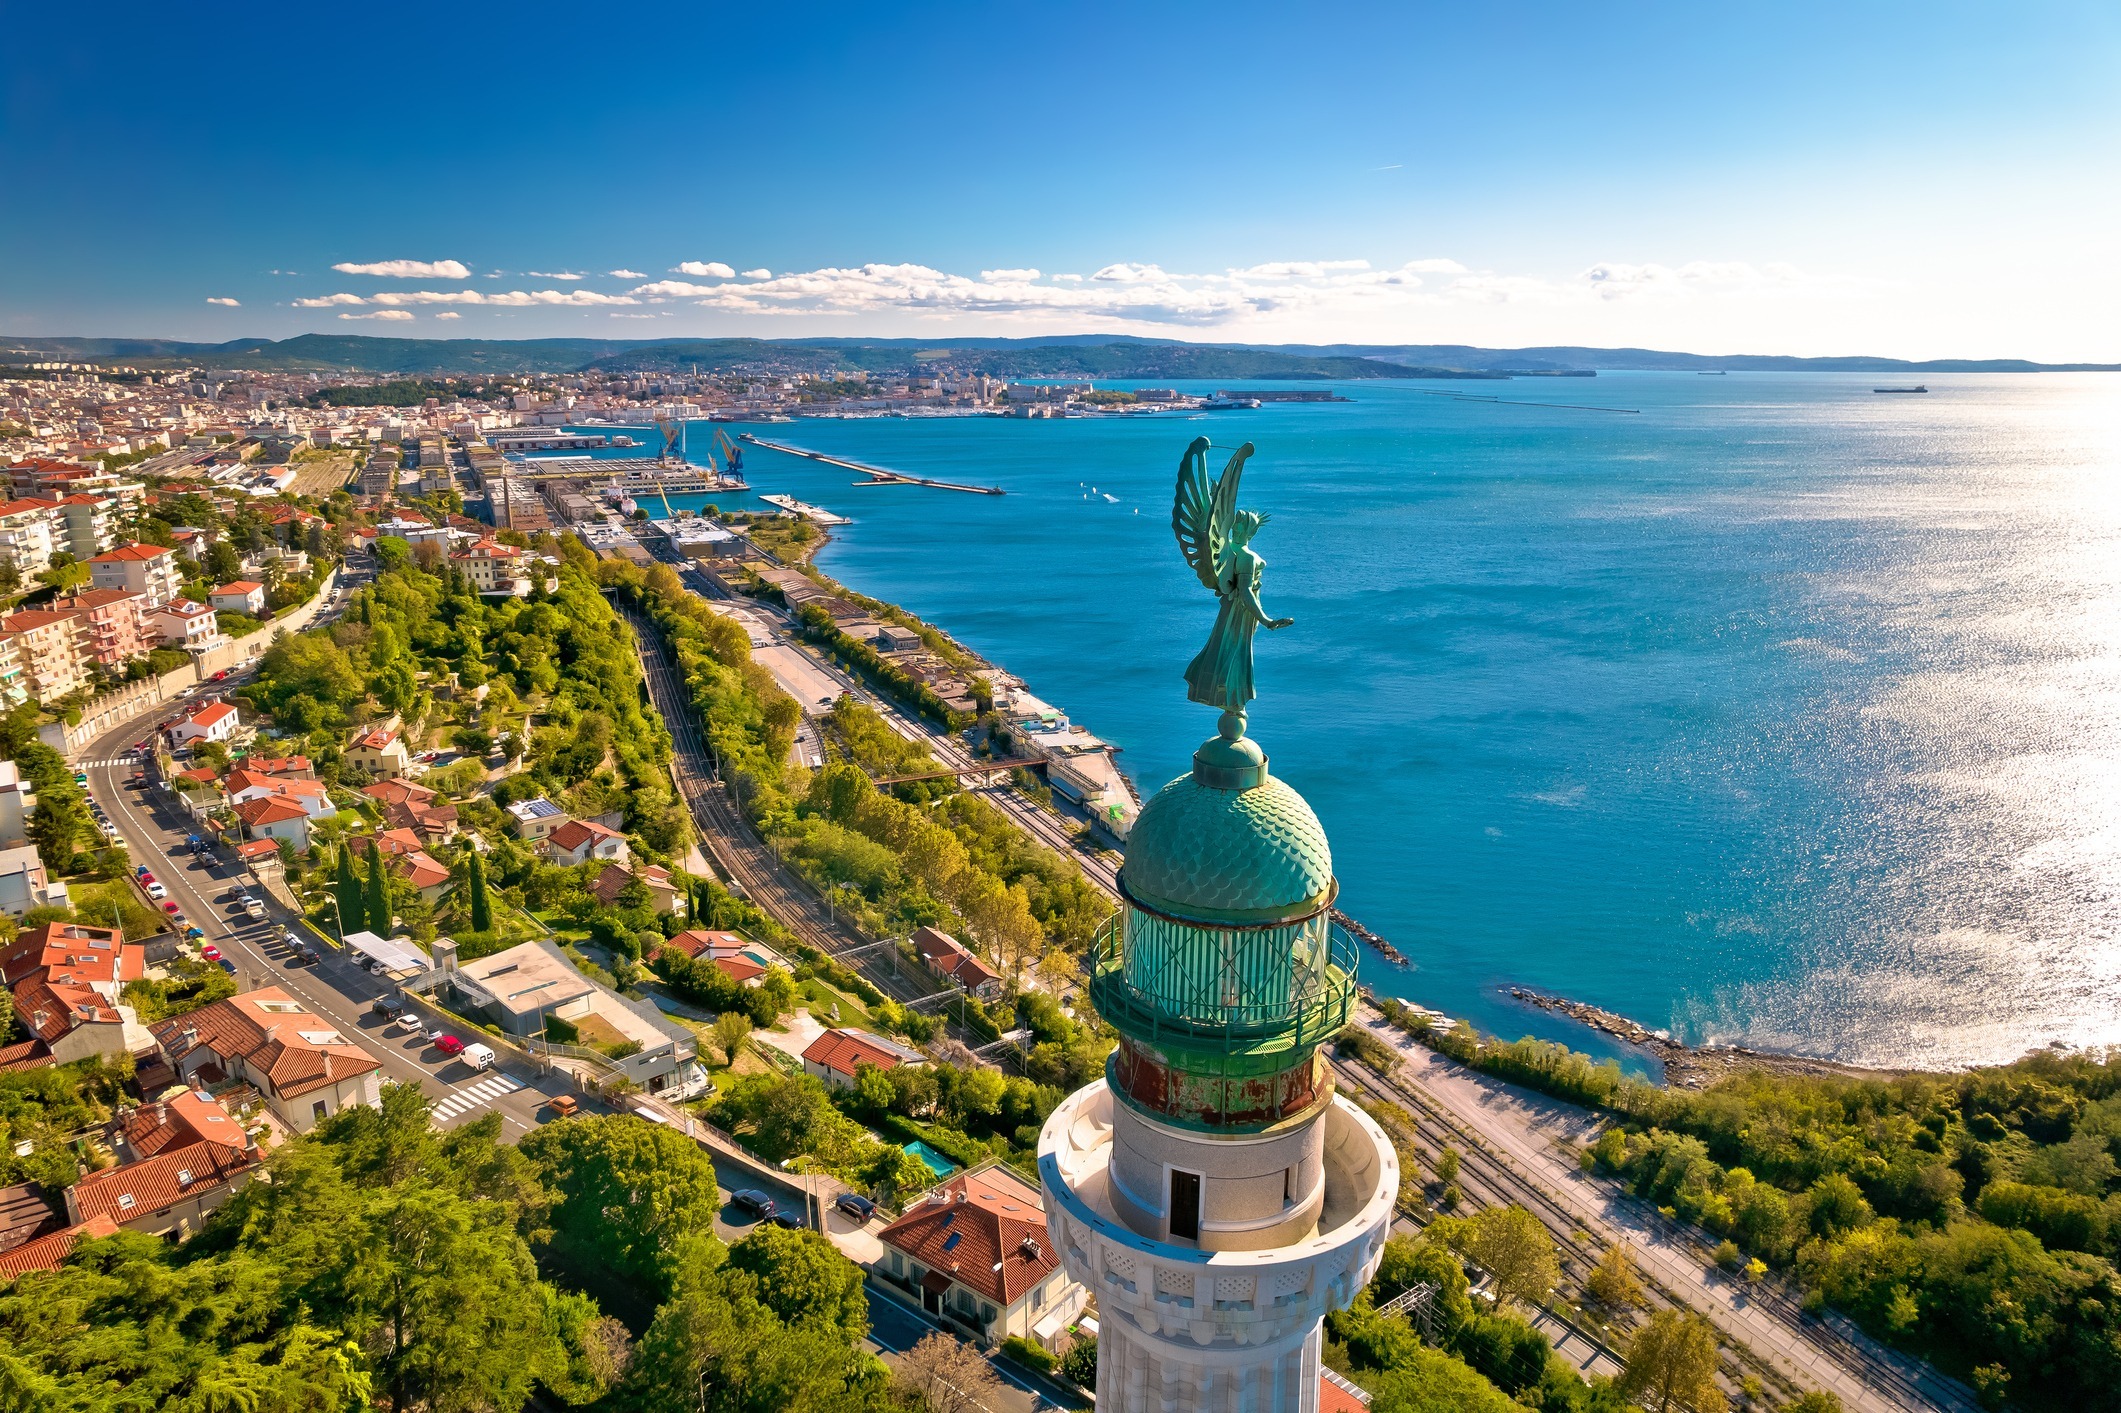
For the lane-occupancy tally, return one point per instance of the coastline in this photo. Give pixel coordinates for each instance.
(1679, 1064)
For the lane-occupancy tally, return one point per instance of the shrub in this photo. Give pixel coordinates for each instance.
(1029, 1354)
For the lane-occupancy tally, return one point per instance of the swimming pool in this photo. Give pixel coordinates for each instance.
(939, 1165)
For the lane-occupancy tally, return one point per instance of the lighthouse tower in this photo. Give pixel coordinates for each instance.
(1212, 1191)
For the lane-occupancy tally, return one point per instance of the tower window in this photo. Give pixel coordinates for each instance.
(1288, 1185)
(1185, 1204)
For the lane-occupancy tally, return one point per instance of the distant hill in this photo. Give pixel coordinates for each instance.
(1059, 356)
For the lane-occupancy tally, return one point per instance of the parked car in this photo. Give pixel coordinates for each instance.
(210, 952)
(387, 1006)
(228, 966)
(221, 674)
(409, 1021)
(305, 953)
(753, 1201)
(143, 875)
(194, 933)
(479, 1057)
(855, 1205)
(788, 1221)
(565, 1106)
(157, 892)
(449, 1045)
(169, 907)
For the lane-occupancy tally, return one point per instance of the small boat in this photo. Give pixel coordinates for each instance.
(1918, 388)
(1111, 497)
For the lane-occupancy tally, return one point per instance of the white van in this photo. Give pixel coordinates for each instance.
(479, 1057)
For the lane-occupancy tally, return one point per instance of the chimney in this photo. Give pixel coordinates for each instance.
(161, 1112)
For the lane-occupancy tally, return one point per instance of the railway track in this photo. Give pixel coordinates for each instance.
(1493, 1180)
(736, 850)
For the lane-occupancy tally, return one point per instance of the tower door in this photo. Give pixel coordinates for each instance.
(1185, 1204)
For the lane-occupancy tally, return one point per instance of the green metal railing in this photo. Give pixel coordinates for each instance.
(1221, 989)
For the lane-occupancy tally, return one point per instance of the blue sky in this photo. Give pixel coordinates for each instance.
(1924, 180)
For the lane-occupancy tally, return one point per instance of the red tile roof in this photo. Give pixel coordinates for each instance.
(24, 1055)
(157, 1184)
(71, 946)
(192, 1117)
(50, 1009)
(392, 792)
(952, 958)
(695, 940)
(293, 1048)
(47, 1252)
(238, 586)
(269, 809)
(996, 1218)
(1335, 1396)
(124, 553)
(211, 713)
(576, 833)
(740, 968)
(841, 1050)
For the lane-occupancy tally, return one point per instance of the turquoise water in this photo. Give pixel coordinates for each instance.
(1778, 711)
(936, 1163)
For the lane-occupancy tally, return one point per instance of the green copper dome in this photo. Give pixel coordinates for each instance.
(1229, 855)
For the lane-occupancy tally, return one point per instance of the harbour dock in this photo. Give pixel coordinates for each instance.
(816, 514)
(877, 475)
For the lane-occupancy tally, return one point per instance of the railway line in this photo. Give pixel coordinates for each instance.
(1492, 1179)
(736, 851)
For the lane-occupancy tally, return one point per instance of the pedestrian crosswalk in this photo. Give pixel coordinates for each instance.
(129, 758)
(472, 1096)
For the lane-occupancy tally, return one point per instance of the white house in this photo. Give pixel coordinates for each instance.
(185, 624)
(216, 721)
(245, 596)
(579, 840)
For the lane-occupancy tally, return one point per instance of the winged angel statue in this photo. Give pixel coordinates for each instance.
(1215, 537)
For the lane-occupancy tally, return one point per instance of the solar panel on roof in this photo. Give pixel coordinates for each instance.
(950, 1242)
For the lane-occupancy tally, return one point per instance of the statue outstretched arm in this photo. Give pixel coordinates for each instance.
(1248, 595)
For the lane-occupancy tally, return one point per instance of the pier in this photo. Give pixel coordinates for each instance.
(816, 514)
(877, 475)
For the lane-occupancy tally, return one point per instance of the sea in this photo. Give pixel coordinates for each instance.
(1762, 708)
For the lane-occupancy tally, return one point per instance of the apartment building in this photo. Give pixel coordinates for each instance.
(18, 801)
(50, 647)
(114, 627)
(26, 536)
(148, 570)
(13, 692)
(88, 523)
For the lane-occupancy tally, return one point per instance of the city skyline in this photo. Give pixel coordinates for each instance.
(1891, 182)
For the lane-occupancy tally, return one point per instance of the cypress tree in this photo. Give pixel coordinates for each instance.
(378, 893)
(481, 905)
(353, 908)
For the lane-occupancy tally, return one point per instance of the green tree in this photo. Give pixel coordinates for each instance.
(730, 1029)
(803, 1278)
(630, 1194)
(1612, 1281)
(1672, 1364)
(377, 897)
(353, 907)
(481, 904)
(1513, 1246)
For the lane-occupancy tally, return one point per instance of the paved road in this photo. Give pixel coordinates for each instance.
(154, 828)
(895, 1327)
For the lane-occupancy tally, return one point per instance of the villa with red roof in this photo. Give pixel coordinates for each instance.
(834, 1056)
(975, 1251)
(149, 570)
(579, 840)
(296, 1058)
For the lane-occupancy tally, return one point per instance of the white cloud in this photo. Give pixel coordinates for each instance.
(1009, 277)
(223, 300)
(626, 274)
(1298, 269)
(1126, 274)
(706, 269)
(409, 269)
(674, 289)
(449, 314)
(758, 274)
(514, 299)
(1435, 267)
(379, 314)
(326, 301)
(553, 275)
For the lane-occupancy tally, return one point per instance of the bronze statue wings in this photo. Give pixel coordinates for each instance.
(1204, 512)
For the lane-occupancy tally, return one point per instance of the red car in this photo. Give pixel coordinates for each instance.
(170, 907)
(449, 1045)
(210, 952)
(145, 877)
(221, 674)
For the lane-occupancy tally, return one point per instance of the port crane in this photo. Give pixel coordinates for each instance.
(673, 439)
(732, 454)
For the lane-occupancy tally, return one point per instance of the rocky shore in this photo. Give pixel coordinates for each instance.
(1685, 1066)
